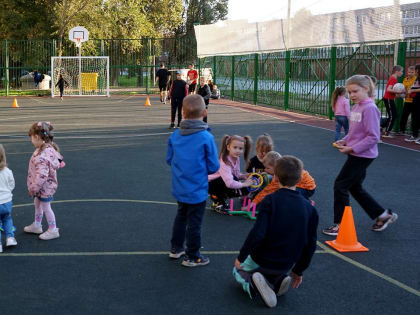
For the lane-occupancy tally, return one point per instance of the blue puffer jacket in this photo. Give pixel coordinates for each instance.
(192, 155)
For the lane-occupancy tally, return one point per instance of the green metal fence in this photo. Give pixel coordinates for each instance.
(132, 61)
(303, 80)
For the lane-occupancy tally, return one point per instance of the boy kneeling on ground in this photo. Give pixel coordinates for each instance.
(283, 238)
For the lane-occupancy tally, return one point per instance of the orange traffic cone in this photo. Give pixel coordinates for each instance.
(147, 101)
(15, 104)
(346, 240)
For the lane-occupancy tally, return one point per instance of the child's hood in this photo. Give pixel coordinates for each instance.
(53, 157)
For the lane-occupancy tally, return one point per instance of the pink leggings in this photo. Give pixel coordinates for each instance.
(41, 208)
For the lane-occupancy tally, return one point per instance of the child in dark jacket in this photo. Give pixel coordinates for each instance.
(192, 155)
(282, 239)
(204, 91)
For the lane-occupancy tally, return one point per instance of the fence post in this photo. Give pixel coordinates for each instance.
(401, 58)
(7, 66)
(232, 83)
(256, 74)
(214, 69)
(148, 53)
(287, 81)
(332, 80)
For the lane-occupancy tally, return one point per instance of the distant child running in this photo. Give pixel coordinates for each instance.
(361, 147)
(341, 109)
(282, 241)
(263, 145)
(42, 178)
(192, 155)
(177, 92)
(226, 183)
(7, 184)
(204, 91)
(61, 83)
(389, 99)
(163, 76)
(306, 184)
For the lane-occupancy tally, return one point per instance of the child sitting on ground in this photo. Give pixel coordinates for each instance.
(215, 92)
(306, 184)
(263, 145)
(192, 155)
(283, 238)
(225, 183)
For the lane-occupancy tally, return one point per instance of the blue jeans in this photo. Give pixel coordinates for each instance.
(187, 226)
(341, 122)
(6, 219)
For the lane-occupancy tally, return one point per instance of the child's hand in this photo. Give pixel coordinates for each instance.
(238, 264)
(345, 149)
(296, 280)
(248, 182)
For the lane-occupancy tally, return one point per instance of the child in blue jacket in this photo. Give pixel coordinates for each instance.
(192, 155)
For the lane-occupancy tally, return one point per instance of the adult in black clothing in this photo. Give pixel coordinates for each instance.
(204, 91)
(282, 240)
(163, 76)
(177, 92)
(61, 83)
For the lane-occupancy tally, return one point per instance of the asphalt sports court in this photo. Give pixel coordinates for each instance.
(115, 212)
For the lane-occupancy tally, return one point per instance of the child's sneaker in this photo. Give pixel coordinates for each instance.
(332, 230)
(11, 241)
(175, 254)
(195, 262)
(284, 286)
(381, 224)
(33, 229)
(222, 208)
(49, 235)
(265, 291)
(410, 139)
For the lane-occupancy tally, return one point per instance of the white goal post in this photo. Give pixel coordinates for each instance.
(83, 76)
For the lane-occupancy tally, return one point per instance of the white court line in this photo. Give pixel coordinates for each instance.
(134, 253)
(370, 270)
(299, 123)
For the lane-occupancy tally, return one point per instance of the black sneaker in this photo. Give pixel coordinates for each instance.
(267, 294)
(195, 262)
(222, 208)
(172, 126)
(175, 254)
(332, 230)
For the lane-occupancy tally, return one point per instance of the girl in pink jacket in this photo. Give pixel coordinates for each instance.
(226, 182)
(42, 178)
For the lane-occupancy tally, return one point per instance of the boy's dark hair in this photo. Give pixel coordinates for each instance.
(193, 106)
(396, 69)
(162, 65)
(288, 170)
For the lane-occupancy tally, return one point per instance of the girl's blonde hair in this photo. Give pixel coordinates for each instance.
(338, 91)
(3, 162)
(44, 130)
(264, 143)
(226, 140)
(363, 81)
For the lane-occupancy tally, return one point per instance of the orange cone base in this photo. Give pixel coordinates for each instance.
(347, 248)
(147, 102)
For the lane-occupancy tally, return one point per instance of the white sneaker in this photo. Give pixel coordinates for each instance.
(11, 241)
(410, 139)
(266, 293)
(49, 235)
(33, 229)
(417, 141)
(284, 286)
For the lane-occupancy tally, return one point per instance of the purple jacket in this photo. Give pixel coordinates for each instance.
(364, 132)
(42, 172)
(227, 172)
(342, 107)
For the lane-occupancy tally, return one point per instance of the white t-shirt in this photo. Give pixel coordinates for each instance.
(7, 184)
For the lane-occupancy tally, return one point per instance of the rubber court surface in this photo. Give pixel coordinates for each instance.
(115, 212)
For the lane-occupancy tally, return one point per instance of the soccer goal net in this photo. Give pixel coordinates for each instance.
(82, 76)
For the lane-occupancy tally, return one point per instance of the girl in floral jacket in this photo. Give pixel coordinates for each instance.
(42, 178)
